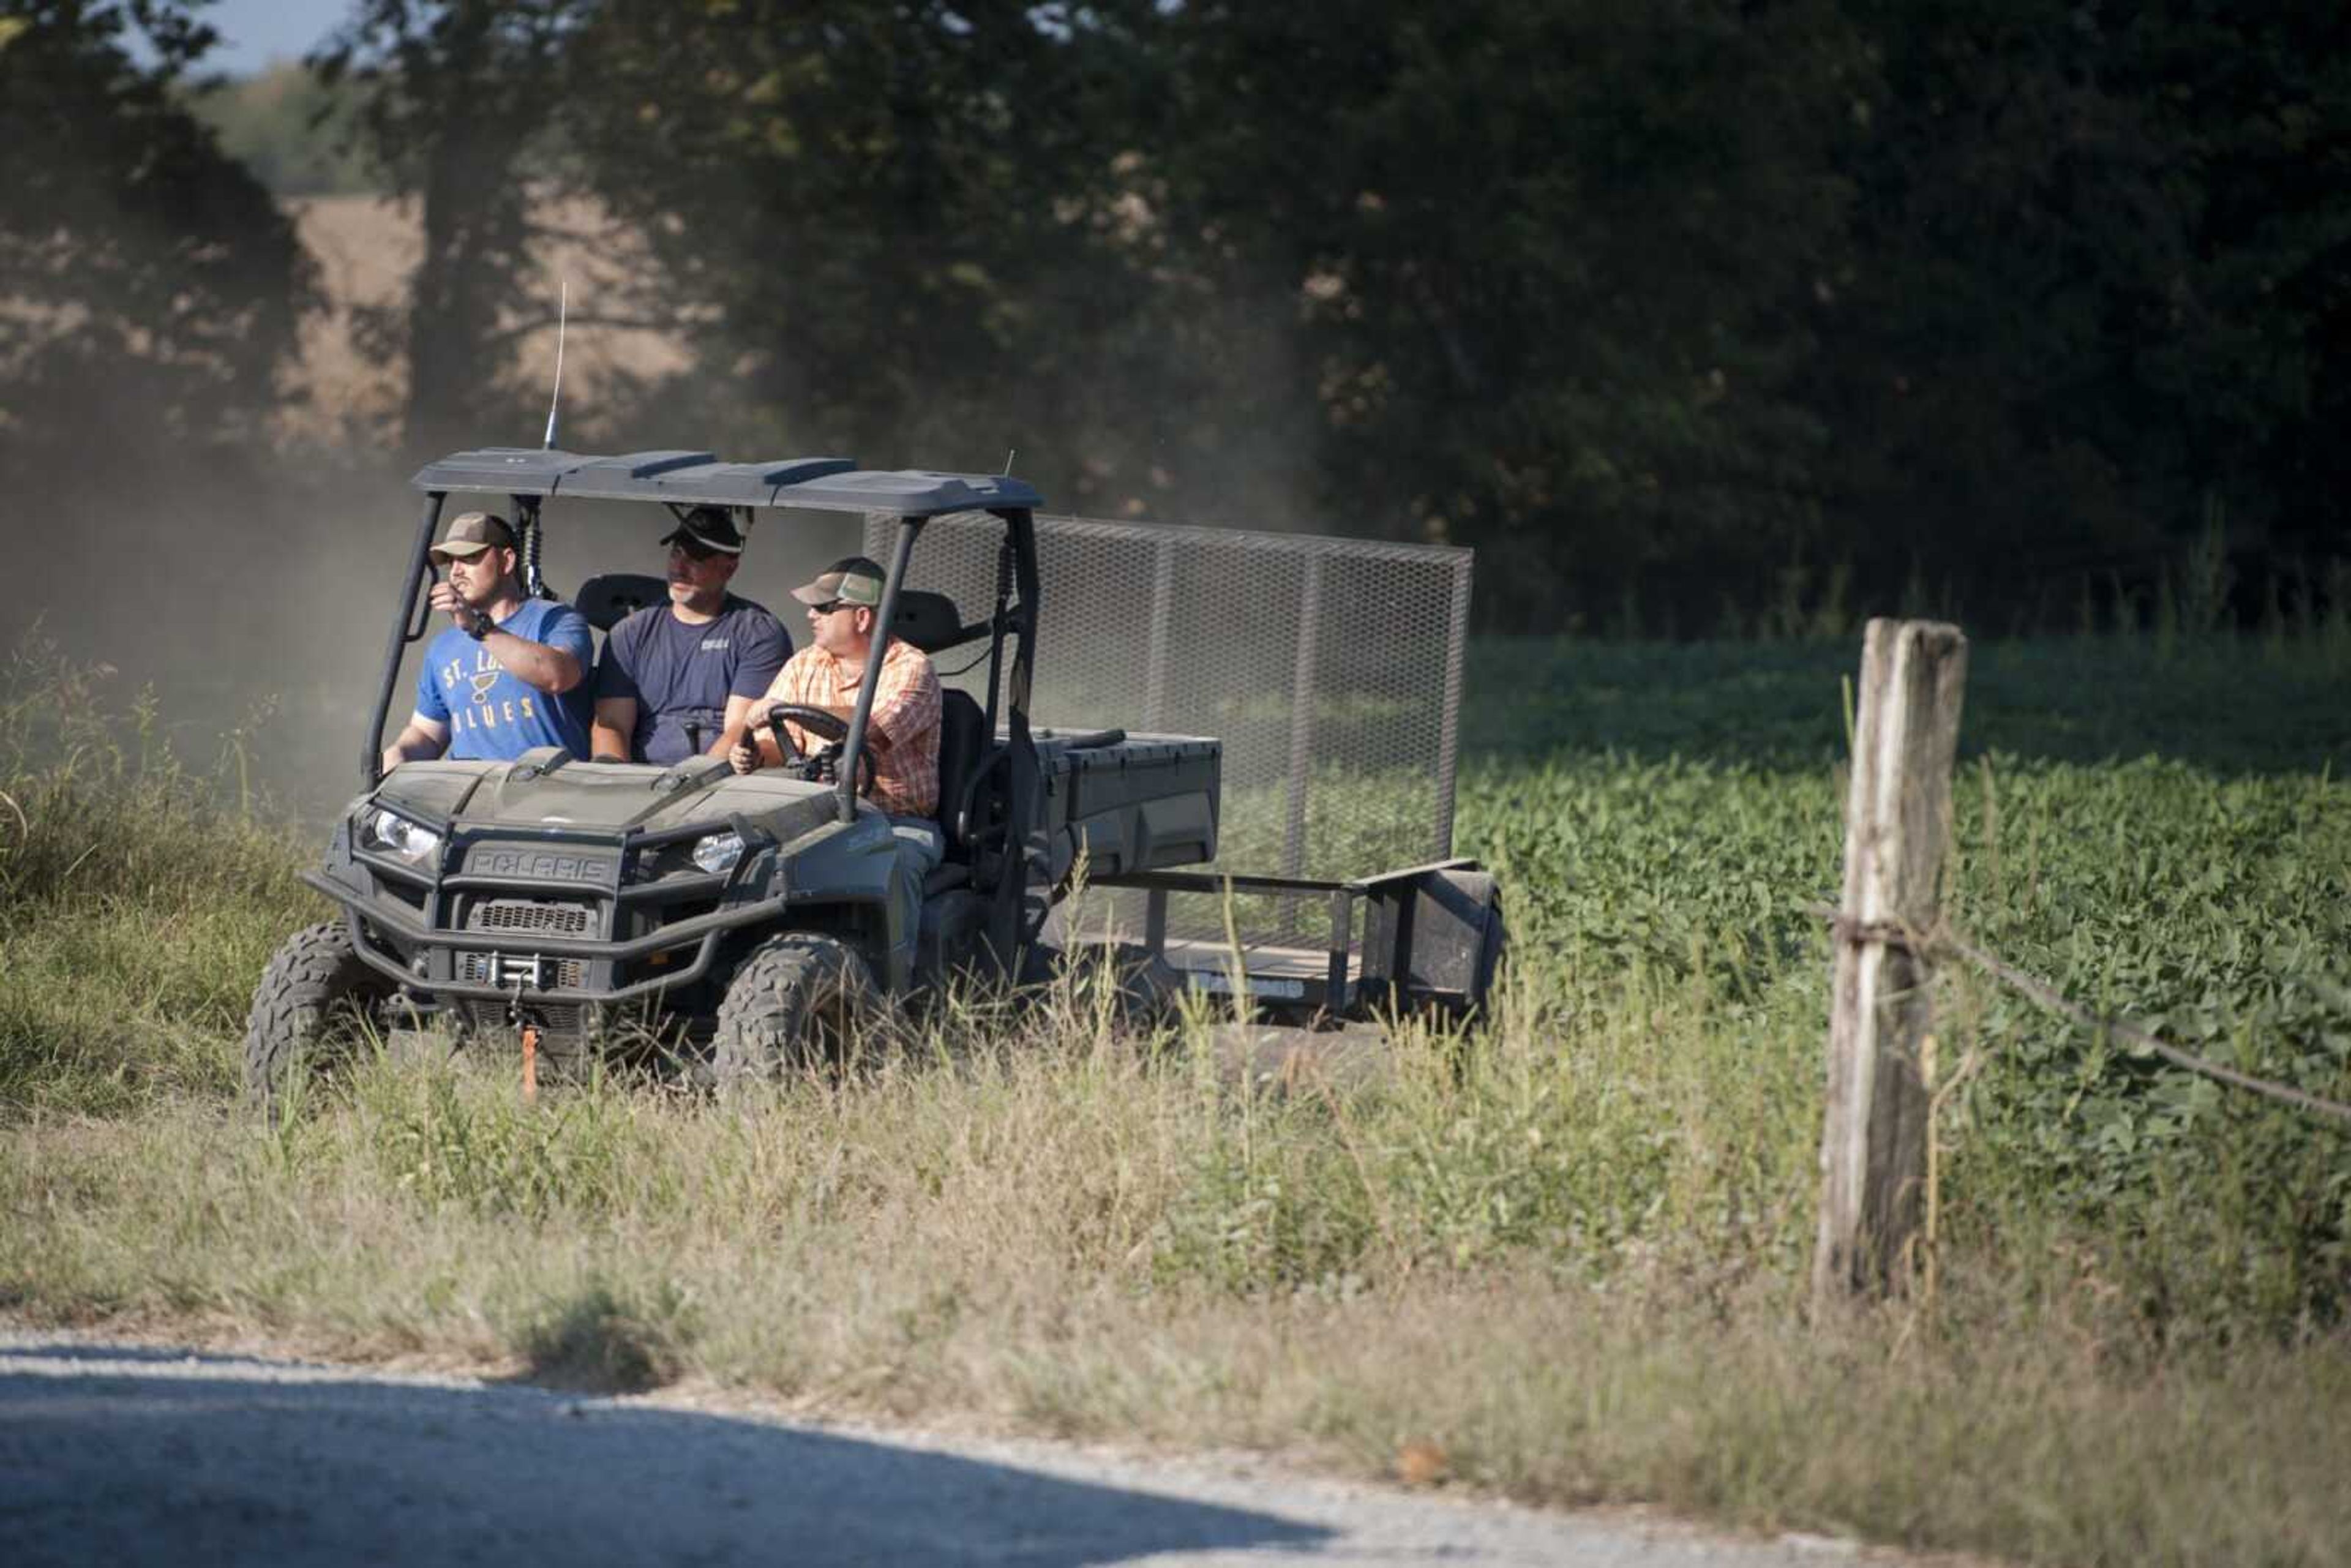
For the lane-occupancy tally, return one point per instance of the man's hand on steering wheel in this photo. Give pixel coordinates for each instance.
(824, 767)
(822, 723)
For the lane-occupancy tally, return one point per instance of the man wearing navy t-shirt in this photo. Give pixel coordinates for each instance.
(678, 679)
(509, 672)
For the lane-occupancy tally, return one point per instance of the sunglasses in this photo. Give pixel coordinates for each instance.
(828, 606)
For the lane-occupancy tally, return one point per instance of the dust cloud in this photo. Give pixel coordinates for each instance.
(252, 588)
(259, 614)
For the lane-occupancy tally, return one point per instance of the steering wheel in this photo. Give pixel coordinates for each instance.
(815, 720)
(827, 726)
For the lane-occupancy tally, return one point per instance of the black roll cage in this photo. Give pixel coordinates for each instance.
(1012, 621)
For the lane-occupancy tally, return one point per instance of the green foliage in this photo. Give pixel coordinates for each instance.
(454, 99)
(2082, 315)
(442, 1138)
(1267, 1208)
(2206, 906)
(1661, 829)
(2223, 706)
(293, 131)
(1720, 318)
(1571, 1250)
(118, 860)
(1459, 203)
(603, 1341)
(151, 288)
(2212, 914)
(902, 214)
(1730, 313)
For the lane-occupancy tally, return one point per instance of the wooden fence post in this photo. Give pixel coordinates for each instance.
(1897, 817)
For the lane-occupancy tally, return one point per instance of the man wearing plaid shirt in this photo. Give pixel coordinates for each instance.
(901, 733)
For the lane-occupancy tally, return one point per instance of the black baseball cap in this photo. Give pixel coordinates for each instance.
(713, 527)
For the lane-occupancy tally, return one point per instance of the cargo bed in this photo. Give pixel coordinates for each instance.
(1421, 939)
(1128, 802)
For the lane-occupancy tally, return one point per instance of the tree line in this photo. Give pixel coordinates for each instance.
(1661, 308)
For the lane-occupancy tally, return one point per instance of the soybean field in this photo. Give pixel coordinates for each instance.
(1566, 1257)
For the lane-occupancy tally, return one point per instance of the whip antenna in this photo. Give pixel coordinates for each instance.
(562, 315)
(1009, 453)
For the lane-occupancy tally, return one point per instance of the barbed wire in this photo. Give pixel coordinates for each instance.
(1898, 934)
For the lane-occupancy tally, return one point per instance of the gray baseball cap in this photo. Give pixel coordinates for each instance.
(853, 579)
(471, 533)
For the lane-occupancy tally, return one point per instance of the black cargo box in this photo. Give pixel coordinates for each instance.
(1142, 802)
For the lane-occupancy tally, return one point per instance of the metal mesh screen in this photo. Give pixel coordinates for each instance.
(1330, 668)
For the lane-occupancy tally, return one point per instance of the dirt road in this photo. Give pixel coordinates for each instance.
(122, 1454)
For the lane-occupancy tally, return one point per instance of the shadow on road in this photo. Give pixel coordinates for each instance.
(126, 1456)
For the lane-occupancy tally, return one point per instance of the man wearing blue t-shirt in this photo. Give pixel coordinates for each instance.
(678, 679)
(508, 675)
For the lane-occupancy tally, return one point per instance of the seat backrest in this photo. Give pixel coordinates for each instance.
(929, 621)
(612, 597)
(963, 735)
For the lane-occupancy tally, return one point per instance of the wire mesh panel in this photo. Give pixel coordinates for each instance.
(1330, 668)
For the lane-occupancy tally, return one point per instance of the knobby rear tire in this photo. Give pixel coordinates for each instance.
(796, 1003)
(1490, 954)
(310, 1010)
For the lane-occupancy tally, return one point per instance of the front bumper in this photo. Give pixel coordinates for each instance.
(368, 919)
(629, 931)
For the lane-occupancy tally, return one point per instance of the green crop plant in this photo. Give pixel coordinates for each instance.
(1573, 1251)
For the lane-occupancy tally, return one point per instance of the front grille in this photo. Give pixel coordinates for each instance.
(537, 916)
(546, 916)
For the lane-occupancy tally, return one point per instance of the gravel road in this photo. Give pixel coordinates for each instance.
(112, 1453)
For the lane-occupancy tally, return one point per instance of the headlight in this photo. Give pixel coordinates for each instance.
(717, 853)
(395, 834)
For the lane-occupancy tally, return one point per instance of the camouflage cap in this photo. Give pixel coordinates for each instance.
(853, 579)
(471, 533)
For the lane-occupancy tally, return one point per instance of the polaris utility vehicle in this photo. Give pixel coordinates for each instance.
(556, 906)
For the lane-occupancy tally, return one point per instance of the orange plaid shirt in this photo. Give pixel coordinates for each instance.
(906, 713)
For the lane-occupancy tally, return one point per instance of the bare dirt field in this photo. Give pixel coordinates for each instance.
(367, 247)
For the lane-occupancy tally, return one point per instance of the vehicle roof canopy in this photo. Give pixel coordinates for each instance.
(699, 478)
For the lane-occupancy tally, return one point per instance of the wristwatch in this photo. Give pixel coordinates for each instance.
(483, 625)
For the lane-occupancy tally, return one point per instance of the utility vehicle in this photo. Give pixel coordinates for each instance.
(550, 901)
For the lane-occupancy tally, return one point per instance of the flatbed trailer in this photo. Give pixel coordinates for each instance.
(1421, 939)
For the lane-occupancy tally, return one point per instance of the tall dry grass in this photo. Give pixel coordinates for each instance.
(1568, 1259)
(1051, 1229)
